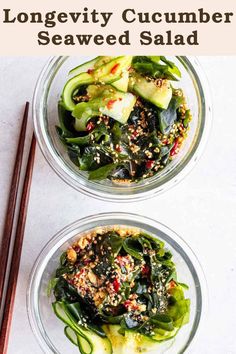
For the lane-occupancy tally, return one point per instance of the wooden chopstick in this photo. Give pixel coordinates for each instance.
(16, 255)
(7, 231)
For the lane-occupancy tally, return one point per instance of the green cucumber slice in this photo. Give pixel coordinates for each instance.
(121, 108)
(112, 70)
(87, 341)
(130, 342)
(90, 65)
(106, 73)
(84, 111)
(162, 335)
(83, 68)
(160, 96)
(102, 60)
(123, 83)
(71, 86)
(114, 104)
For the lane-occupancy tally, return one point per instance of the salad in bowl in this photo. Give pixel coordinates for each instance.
(121, 119)
(114, 282)
(122, 128)
(115, 289)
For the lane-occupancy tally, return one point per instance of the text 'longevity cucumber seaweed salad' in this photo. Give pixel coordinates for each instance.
(120, 117)
(116, 289)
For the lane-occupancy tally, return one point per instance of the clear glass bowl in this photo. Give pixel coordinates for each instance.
(49, 330)
(47, 94)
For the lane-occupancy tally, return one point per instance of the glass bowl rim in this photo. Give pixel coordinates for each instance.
(126, 219)
(90, 189)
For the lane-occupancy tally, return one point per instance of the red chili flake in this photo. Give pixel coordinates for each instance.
(150, 163)
(172, 284)
(77, 248)
(80, 273)
(134, 134)
(87, 261)
(174, 148)
(145, 269)
(127, 303)
(165, 142)
(110, 103)
(116, 285)
(115, 68)
(90, 71)
(118, 148)
(90, 126)
(120, 260)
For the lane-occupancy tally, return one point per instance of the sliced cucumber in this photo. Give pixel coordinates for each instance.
(83, 68)
(117, 340)
(121, 108)
(71, 86)
(84, 345)
(87, 341)
(131, 342)
(114, 104)
(98, 345)
(84, 111)
(138, 342)
(123, 83)
(103, 60)
(71, 335)
(90, 65)
(94, 91)
(161, 334)
(160, 96)
(106, 73)
(112, 71)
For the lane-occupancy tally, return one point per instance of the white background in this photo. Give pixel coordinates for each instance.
(202, 208)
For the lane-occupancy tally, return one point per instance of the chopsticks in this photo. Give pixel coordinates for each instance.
(16, 254)
(9, 220)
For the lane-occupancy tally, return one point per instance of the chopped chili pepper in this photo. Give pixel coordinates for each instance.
(116, 285)
(90, 71)
(118, 148)
(145, 269)
(134, 134)
(115, 68)
(87, 261)
(174, 148)
(165, 142)
(127, 303)
(120, 260)
(110, 103)
(149, 164)
(172, 284)
(77, 248)
(90, 126)
(80, 273)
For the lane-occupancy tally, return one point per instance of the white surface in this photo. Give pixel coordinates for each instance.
(201, 208)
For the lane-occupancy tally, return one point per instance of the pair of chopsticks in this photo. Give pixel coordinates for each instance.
(7, 239)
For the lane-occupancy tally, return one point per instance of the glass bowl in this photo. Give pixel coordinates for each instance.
(49, 329)
(47, 94)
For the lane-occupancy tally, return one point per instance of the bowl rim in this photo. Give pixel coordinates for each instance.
(56, 163)
(115, 218)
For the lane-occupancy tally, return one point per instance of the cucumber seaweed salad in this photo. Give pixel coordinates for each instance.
(120, 117)
(116, 289)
